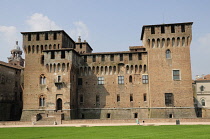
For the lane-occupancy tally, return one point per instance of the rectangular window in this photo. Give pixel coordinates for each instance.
(63, 54)
(52, 55)
(46, 36)
(121, 57)
(37, 37)
(42, 59)
(79, 81)
(172, 29)
(135, 115)
(118, 98)
(130, 57)
(152, 30)
(100, 80)
(120, 79)
(29, 37)
(144, 79)
(111, 57)
(139, 56)
(108, 115)
(59, 86)
(131, 97)
(176, 75)
(94, 58)
(80, 45)
(102, 58)
(183, 28)
(169, 99)
(97, 99)
(85, 58)
(54, 36)
(59, 79)
(162, 29)
(81, 100)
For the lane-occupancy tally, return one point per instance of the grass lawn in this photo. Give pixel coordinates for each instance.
(134, 132)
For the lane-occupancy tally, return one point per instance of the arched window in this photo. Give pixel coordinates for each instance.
(148, 42)
(130, 79)
(42, 79)
(202, 88)
(168, 54)
(41, 101)
(153, 43)
(163, 42)
(173, 41)
(168, 42)
(145, 68)
(158, 42)
(29, 49)
(203, 102)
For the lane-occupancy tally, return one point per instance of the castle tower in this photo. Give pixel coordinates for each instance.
(169, 69)
(15, 58)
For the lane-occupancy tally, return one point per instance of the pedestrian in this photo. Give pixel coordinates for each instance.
(137, 121)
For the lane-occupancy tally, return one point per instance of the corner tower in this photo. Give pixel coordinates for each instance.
(169, 69)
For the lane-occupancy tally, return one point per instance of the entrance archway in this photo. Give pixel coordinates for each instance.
(59, 104)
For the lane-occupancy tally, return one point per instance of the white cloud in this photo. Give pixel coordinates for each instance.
(39, 22)
(80, 29)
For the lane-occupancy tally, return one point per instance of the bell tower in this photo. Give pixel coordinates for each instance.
(16, 58)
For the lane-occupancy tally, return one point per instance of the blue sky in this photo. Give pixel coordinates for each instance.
(108, 25)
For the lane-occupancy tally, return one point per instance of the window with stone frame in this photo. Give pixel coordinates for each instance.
(168, 54)
(176, 74)
(120, 79)
(169, 99)
(145, 79)
(118, 98)
(100, 80)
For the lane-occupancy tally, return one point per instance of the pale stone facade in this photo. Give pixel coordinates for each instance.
(149, 81)
(202, 99)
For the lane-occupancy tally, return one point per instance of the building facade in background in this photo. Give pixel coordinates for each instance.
(202, 99)
(63, 77)
(11, 83)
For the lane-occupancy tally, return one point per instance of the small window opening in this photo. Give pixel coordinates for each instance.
(135, 115)
(168, 54)
(121, 57)
(37, 37)
(130, 57)
(80, 45)
(111, 57)
(83, 116)
(140, 56)
(145, 97)
(130, 79)
(29, 37)
(118, 98)
(54, 36)
(102, 58)
(59, 79)
(94, 58)
(81, 99)
(42, 59)
(170, 115)
(183, 28)
(46, 36)
(162, 29)
(79, 81)
(131, 97)
(172, 29)
(63, 54)
(152, 30)
(52, 55)
(108, 115)
(85, 58)
(97, 99)
(203, 102)
(202, 88)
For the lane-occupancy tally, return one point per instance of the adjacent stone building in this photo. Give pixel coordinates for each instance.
(65, 78)
(11, 83)
(202, 99)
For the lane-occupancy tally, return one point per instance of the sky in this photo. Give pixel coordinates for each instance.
(107, 25)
